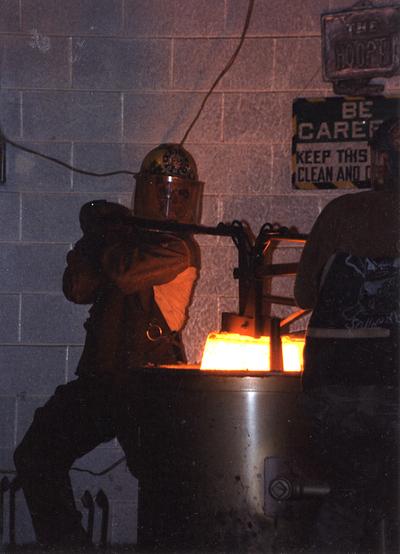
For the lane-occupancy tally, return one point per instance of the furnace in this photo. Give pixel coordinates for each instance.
(210, 443)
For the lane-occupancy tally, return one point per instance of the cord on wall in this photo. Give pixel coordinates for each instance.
(225, 70)
(4, 139)
(95, 473)
(2, 159)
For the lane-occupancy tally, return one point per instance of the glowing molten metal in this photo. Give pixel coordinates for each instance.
(231, 351)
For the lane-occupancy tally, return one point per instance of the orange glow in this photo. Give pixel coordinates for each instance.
(231, 351)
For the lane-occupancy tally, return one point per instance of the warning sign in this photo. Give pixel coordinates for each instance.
(330, 141)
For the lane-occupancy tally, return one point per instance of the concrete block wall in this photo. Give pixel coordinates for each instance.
(98, 83)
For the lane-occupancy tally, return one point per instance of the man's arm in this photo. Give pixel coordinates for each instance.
(152, 259)
(102, 223)
(321, 244)
(83, 276)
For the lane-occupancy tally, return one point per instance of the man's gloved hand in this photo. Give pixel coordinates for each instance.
(100, 216)
(103, 224)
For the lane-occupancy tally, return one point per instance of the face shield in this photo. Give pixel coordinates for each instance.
(168, 198)
(167, 186)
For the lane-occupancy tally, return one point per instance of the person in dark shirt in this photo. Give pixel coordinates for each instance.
(139, 284)
(349, 274)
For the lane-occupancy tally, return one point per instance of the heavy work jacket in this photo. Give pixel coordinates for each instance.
(140, 289)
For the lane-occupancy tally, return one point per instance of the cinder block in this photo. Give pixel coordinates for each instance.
(327, 196)
(102, 158)
(9, 216)
(120, 64)
(34, 61)
(228, 304)
(31, 173)
(77, 116)
(198, 18)
(7, 418)
(6, 460)
(43, 267)
(203, 319)
(118, 484)
(31, 267)
(289, 211)
(258, 118)
(26, 407)
(124, 523)
(9, 21)
(10, 268)
(31, 370)
(134, 154)
(210, 213)
(273, 18)
(295, 211)
(287, 253)
(74, 354)
(52, 217)
(10, 117)
(198, 62)
(301, 60)
(282, 286)
(156, 118)
(255, 211)
(174, 18)
(150, 18)
(92, 17)
(9, 318)
(234, 169)
(60, 321)
(217, 264)
(24, 533)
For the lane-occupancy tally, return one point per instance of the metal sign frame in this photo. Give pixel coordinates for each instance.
(359, 44)
(330, 139)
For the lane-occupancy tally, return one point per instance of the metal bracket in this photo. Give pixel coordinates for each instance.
(357, 87)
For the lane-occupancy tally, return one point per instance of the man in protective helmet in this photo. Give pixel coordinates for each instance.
(349, 274)
(139, 284)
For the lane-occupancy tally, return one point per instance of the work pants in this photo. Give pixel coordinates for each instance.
(355, 433)
(77, 418)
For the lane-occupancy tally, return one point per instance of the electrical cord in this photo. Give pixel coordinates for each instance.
(225, 70)
(4, 139)
(64, 164)
(104, 471)
(95, 473)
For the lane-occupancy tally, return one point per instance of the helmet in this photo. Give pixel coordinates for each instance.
(167, 186)
(385, 155)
